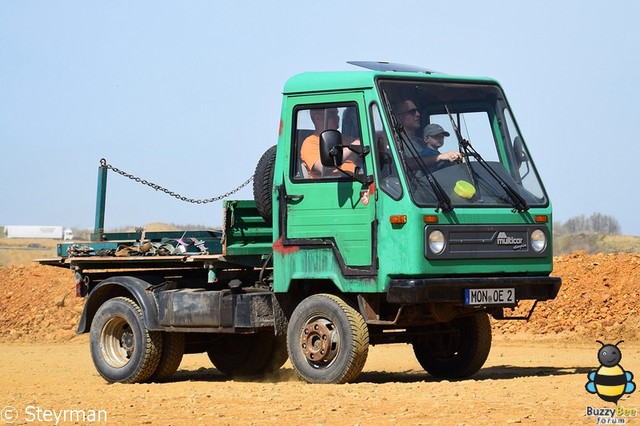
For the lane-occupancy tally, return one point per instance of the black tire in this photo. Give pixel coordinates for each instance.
(248, 354)
(458, 350)
(170, 357)
(122, 349)
(328, 341)
(263, 184)
(278, 356)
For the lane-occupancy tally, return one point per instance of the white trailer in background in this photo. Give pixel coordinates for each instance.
(50, 232)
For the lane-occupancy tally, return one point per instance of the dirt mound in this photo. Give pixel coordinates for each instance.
(38, 303)
(598, 300)
(159, 227)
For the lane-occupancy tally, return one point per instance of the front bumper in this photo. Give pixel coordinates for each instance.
(451, 290)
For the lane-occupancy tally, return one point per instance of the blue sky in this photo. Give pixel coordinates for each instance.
(187, 94)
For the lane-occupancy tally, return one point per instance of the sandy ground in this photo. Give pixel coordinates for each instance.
(529, 381)
(536, 371)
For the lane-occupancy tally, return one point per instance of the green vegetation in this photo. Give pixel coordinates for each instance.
(597, 223)
(597, 233)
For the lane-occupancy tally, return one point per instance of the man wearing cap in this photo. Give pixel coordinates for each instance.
(434, 136)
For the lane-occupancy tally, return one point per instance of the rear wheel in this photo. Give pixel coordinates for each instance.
(458, 349)
(170, 357)
(328, 341)
(122, 349)
(248, 354)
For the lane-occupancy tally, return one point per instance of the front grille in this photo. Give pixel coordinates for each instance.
(485, 241)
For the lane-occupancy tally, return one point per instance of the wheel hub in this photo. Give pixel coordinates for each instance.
(126, 342)
(318, 345)
(117, 342)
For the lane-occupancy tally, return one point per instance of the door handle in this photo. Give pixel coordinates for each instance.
(293, 198)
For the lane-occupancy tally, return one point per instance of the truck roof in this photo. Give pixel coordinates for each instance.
(324, 81)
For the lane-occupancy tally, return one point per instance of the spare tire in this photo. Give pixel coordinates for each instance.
(263, 184)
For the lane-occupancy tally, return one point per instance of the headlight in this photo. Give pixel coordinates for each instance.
(436, 242)
(538, 241)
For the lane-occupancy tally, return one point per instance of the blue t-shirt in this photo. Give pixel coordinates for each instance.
(429, 152)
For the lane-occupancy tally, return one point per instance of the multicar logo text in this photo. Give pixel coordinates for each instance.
(504, 239)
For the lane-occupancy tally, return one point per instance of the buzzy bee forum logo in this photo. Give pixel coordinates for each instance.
(610, 382)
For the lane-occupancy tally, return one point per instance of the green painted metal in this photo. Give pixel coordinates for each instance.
(101, 200)
(316, 264)
(246, 232)
(401, 248)
(333, 210)
(328, 82)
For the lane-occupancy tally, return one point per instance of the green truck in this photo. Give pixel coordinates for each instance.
(359, 234)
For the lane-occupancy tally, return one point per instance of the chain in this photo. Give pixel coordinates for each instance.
(103, 163)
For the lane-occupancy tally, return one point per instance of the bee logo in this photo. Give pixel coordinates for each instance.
(610, 381)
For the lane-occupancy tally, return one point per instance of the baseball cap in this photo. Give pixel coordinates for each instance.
(434, 129)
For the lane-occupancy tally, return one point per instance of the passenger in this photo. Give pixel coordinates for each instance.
(434, 136)
(310, 150)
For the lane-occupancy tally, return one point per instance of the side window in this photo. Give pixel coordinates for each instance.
(388, 178)
(523, 174)
(309, 123)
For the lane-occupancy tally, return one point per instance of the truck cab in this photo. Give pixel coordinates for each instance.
(423, 248)
(401, 224)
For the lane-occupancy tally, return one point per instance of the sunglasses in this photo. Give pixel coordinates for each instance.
(412, 111)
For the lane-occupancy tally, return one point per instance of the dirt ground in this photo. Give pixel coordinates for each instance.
(530, 382)
(536, 371)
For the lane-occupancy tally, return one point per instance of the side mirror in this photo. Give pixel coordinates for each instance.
(519, 152)
(331, 148)
(521, 156)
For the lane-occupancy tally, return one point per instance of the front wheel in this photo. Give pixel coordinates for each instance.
(456, 349)
(327, 340)
(122, 349)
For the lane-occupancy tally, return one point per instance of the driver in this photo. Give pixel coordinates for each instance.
(324, 119)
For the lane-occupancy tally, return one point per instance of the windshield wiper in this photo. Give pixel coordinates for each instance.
(465, 154)
(519, 203)
(444, 202)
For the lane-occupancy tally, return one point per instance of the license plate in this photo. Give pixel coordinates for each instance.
(489, 296)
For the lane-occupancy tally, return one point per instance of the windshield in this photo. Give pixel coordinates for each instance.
(463, 137)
